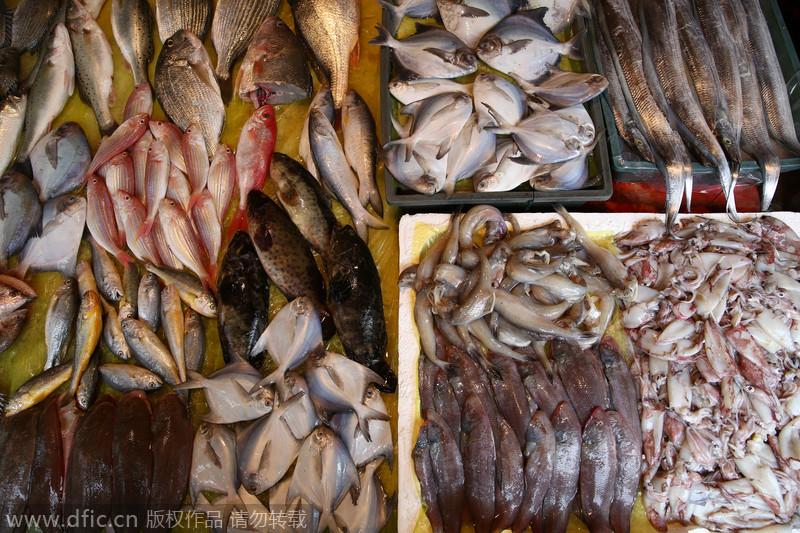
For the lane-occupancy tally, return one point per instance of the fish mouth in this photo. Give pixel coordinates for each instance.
(489, 47)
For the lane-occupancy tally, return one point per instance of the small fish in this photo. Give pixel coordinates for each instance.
(361, 450)
(274, 69)
(470, 19)
(407, 91)
(170, 135)
(253, 156)
(58, 323)
(372, 509)
(37, 388)
(149, 351)
(196, 158)
(189, 288)
(194, 340)
(122, 139)
(322, 101)
(557, 504)
(101, 221)
(539, 451)
(132, 24)
(32, 20)
(155, 185)
(110, 282)
(472, 149)
(87, 387)
(22, 212)
(113, 336)
(139, 101)
(178, 188)
(133, 213)
(56, 249)
(191, 15)
(129, 303)
(222, 179)
(330, 30)
(148, 297)
(124, 377)
(480, 462)
(209, 229)
(564, 88)
(94, 64)
(85, 277)
(234, 27)
(119, 175)
(303, 417)
(360, 142)
(183, 240)
(172, 320)
(501, 95)
(12, 122)
(87, 335)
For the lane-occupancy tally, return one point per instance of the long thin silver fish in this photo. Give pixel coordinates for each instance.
(360, 141)
(58, 323)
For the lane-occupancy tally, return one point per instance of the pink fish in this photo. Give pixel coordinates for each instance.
(156, 183)
(140, 101)
(222, 178)
(164, 251)
(139, 158)
(178, 188)
(253, 156)
(196, 159)
(118, 173)
(170, 134)
(132, 212)
(183, 240)
(205, 220)
(100, 219)
(123, 138)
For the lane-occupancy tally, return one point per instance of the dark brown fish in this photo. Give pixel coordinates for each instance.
(512, 402)
(621, 385)
(427, 378)
(480, 462)
(582, 376)
(510, 485)
(9, 71)
(89, 482)
(424, 470)
(356, 303)
(17, 435)
(47, 475)
(194, 340)
(32, 21)
(539, 451)
(235, 22)
(242, 301)
(133, 459)
(445, 403)
(448, 472)
(547, 391)
(598, 471)
(557, 504)
(285, 255)
(172, 456)
(629, 460)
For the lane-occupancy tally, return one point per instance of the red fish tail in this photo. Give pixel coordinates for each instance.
(194, 199)
(144, 229)
(124, 258)
(239, 222)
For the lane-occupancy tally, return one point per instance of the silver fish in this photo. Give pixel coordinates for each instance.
(87, 388)
(504, 97)
(148, 298)
(129, 303)
(302, 417)
(472, 148)
(322, 101)
(60, 160)
(413, 90)
(132, 24)
(123, 377)
(428, 179)
(560, 13)
(22, 212)
(360, 141)
(148, 349)
(418, 9)
(371, 511)
(191, 15)
(361, 450)
(58, 323)
(194, 340)
(189, 288)
(56, 249)
(12, 122)
(235, 22)
(109, 280)
(469, 20)
(113, 336)
(563, 88)
(172, 320)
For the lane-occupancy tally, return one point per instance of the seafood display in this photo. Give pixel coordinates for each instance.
(499, 133)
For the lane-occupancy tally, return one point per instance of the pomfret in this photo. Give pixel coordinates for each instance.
(560, 13)
(58, 322)
(148, 298)
(371, 510)
(274, 69)
(32, 20)
(189, 288)
(194, 340)
(330, 30)
(37, 388)
(563, 88)
(417, 9)
(413, 90)
(428, 179)
(132, 24)
(94, 65)
(184, 71)
(12, 122)
(149, 351)
(472, 148)
(360, 142)
(222, 179)
(504, 97)
(233, 28)
(361, 450)
(191, 15)
(56, 249)
(302, 417)
(470, 19)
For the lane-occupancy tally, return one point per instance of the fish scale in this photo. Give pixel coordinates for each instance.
(235, 23)
(132, 24)
(174, 15)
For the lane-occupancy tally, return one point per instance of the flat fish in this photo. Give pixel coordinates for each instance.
(235, 22)
(56, 249)
(60, 160)
(47, 474)
(190, 15)
(371, 511)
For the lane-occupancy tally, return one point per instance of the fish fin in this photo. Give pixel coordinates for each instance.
(195, 381)
(355, 55)
(212, 418)
(376, 201)
(8, 21)
(420, 27)
(573, 46)
(473, 12)
(384, 37)
(269, 380)
(395, 15)
(327, 521)
(361, 229)
(516, 46)
(335, 377)
(232, 501)
(144, 229)
(194, 199)
(124, 258)
(241, 391)
(372, 221)
(536, 15)
(441, 54)
(288, 403)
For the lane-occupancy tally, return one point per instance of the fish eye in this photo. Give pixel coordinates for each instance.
(170, 43)
(127, 197)
(265, 115)
(141, 121)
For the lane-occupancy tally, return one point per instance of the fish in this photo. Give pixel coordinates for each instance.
(285, 256)
(133, 213)
(304, 201)
(155, 185)
(233, 28)
(32, 20)
(243, 307)
(430, 52)
(9, 71)
(140, 153)
(101, 221)
(149, 351)
(628, 456)
(598, 470)
(511, 482)
(168, 258)
(139, 101)
(322, 101)
(356, 304)
(132, 25)
(360, 142)
(47, 474)
(303, 418)
(539, 451)
(222, 179)
(294, 332)
(330, 29)
(411, 90)
(209, 229)
(12, 123)
(423, 468)
(324, 372)
(522, 46)
(214, 466)
(18, 434)
(171, 136)
(94, 7)
(501, 95)
(189, 288)
(335, 173)
(119, 175)
(53, 85)
(582, 376)
(58, 323)
(113, 336)
(557, 504)
(87, 335)
(172, 321)
(172, 444)
(418, 9)
(124, 377)
(371, 511)
(190, 15)
(88, 483)
(510, 395)
(37, 388)
(274, 69)
(133, 470)
(148, 298)
(178, 187)
(183, 240)
(196, 158)
(267, 449)
(621, 385)
(480, 462)
(110, 282)
(22, 212)
(472, 148)
(563, 88)
(361, 450)
(253, 155)
(56, 248)
(94, 65)
(11, 326)
(125, 136)
(184, 71)
(469, 20)
(87, 387)
(426, 180)
(323, 475)
(194, 340)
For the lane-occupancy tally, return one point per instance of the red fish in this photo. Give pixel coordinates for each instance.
(101, 221)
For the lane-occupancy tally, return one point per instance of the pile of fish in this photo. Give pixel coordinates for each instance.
(503, 433)
(452, 129)
(715, 323)
(700, 77)
(120, 463)
(14, 294)
(288, 410)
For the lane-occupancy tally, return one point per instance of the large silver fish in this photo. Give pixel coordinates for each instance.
(32, 20)
(21, 212)
(56, 248)
(365, 451)
(60, 160)
(417, 9)
(469, 20)
(235, 22)
(12, 122)
(191, 15)
(371, 511)
(132, 24)
(560, 13)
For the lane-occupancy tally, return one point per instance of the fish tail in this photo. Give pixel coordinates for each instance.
(327, 521)
(384, 37)
(145, 228)
(573, 46)
(212, 274)
(269, 380)
(231, 501)
(193, 381)
(124, 258)
(376, 201)
(395, 14)
(194, 199)
(239, 221)
(771, 170)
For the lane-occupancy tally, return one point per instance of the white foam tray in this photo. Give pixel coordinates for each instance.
(415, 232)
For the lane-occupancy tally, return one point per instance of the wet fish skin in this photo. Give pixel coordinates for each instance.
(194, 340)
(133, 214)
(94, 65)
(13, 297)
(132, 24)
(621, 385)
(132, 435)
(22, 211)
(59, 161)
(360, 142)
(32, 20)
(101, 221)
(155, 185)
(322, 101)
(478, 451)
(196, 159)
(148, 349)
(139, 101)
(628, 453)
(172, 320)
(285, 255)
(304, 200)
(598, 470)
(509, 392)
(87, 387)
(47, 474)
(9, 71)
(184, 73)
(330, 30)
(209, 229)
(129, 303)
(423, 468)
(125, 136)
(113, 336)
(361, 450)
(539, 451)
(222, 178)
(274, 69)
(371, 511)
(109, 280)
(56, 248)
(470, 20)
(189, 288)
(183, 240)
(124, 377)
(557, 504)
(11, 326)
(53, 84)
(12, 123)
(191, 15)
(87, 335)
(148, 298)
(356, 304)
(448, 471)
(582, 376)
(17, 433)
(170, 134)
(37, 388)
(234, 25)
(511, 482)
(58, 323)
(243, 307)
